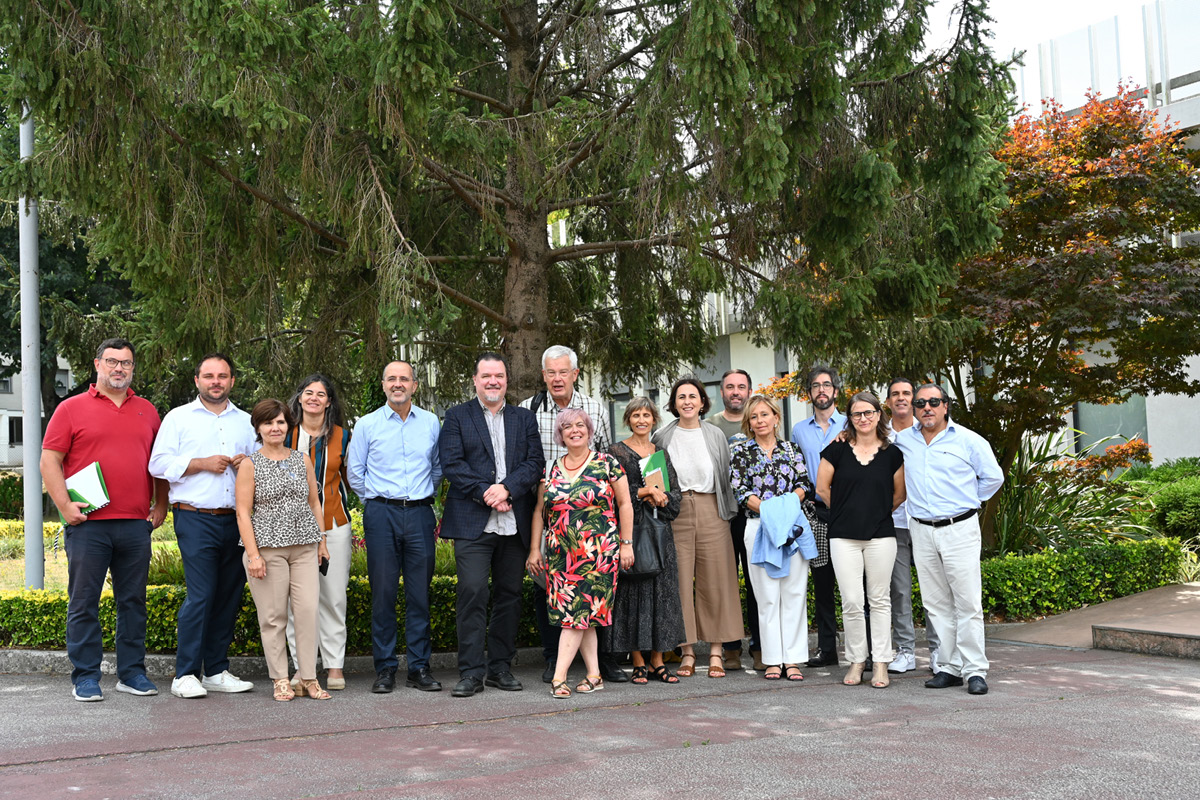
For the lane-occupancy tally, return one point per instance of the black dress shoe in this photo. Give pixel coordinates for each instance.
(612, 673)
(467, 686)
(385, 681)
(548, 672)
(943, 680)
(823, 659)
(423, 679)
(504, 681)
(976, 685)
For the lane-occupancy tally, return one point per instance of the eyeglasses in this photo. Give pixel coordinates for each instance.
(818, 386)
(863, 414)
(113, 363)
(932, 402)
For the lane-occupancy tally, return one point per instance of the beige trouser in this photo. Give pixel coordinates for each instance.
(291, 575)
(852, 559)
(331, 611)
(708, 587)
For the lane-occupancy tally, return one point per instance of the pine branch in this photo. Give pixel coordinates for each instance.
(484, 26)
(502, 107)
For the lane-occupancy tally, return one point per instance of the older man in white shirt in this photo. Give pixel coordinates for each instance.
(197, 451)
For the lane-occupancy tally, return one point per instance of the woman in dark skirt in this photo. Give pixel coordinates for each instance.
(647, 615)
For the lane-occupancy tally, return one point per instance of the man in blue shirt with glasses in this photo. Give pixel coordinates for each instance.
(949, 473)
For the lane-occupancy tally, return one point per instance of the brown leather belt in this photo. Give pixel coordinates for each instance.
(216, 512)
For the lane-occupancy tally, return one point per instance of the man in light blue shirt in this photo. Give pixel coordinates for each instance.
(813, 435)
(393, 465)
(949, 472)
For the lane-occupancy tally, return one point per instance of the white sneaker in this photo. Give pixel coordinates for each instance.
(934, 667)
(904, 661)
(227, 682)
(188, 687)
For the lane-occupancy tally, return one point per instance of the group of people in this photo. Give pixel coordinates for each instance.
(538, 488)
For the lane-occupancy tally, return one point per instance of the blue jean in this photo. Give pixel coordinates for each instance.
(93, 548)
(399, 542)
(212, 567)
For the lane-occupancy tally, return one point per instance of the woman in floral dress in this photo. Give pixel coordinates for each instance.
(583, 502)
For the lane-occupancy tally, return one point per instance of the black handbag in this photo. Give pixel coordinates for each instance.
(648, 537)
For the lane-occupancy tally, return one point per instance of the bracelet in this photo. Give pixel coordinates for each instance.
(256, 558)
(627, 541)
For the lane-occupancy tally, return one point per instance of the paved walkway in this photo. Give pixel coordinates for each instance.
(1058, 723)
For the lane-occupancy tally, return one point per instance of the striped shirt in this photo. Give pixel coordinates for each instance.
(547, 413)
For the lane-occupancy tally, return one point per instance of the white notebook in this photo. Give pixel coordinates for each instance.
(87, 486)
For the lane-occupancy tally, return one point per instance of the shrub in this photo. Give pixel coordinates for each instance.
(1014, 587)
(1177, 508)
(166, 566)
(1166, 472)
(12, 494)
(1050, 499)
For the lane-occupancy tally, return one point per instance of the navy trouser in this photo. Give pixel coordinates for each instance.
(399, 542)
(212, 567)
(93, 548)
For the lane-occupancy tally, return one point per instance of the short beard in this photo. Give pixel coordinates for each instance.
(208, 398)
(729, 405)
(119, 386)
(821, 405)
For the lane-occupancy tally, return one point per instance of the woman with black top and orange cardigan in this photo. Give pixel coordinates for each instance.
(319, 432)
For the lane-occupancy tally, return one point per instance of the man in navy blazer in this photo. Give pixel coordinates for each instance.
(491, 454)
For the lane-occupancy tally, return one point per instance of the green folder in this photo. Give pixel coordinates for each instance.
(656, 463)
(87, 486)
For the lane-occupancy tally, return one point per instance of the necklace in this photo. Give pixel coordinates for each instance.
(581, 463)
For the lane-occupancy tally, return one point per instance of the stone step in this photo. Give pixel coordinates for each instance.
(1176, 635)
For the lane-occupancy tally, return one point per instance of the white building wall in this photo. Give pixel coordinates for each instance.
(1172, 422)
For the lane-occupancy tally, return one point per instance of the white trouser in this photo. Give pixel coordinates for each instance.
(782, 607)
(947, 562)
(331, 610)
(875, 558)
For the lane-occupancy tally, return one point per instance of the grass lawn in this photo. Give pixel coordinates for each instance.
(12, 570)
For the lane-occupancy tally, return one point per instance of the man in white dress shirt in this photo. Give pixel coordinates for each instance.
(197, 451)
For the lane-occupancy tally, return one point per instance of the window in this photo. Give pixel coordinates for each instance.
(6, 384)
(15, 436)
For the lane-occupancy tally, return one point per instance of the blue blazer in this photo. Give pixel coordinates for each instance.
(468, 463)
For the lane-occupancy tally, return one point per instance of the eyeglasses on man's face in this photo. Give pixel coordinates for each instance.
(113, 363)
(932, 402)
(863, 414)
(816, 387)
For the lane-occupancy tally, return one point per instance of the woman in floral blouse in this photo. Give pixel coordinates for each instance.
(762, 467)
(588, 527)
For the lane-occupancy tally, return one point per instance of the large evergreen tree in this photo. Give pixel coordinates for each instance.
(340, 181)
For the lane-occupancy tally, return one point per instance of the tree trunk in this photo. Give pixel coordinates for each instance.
(526, 295)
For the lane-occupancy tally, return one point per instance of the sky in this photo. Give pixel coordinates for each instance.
(1021, 25)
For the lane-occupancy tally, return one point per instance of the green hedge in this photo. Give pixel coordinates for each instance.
(1177, 508)
(1014, 587)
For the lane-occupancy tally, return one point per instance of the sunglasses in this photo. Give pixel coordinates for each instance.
(932, 402)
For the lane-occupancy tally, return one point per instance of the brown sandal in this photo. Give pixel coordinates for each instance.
(716, 666)
(559, 690)
(686, 670)
(587, 685)
(283, 690)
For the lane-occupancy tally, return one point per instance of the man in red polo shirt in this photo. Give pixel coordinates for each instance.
(114, 427)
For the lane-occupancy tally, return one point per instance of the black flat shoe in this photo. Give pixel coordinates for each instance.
(467, 686)
(423, 679)
(385, 681)
(976, 685)
(612, 673)
(548, 672)
(504, 681)
(823, 659)
(943, 680)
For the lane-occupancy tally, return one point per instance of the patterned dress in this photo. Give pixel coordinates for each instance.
(582, 543)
